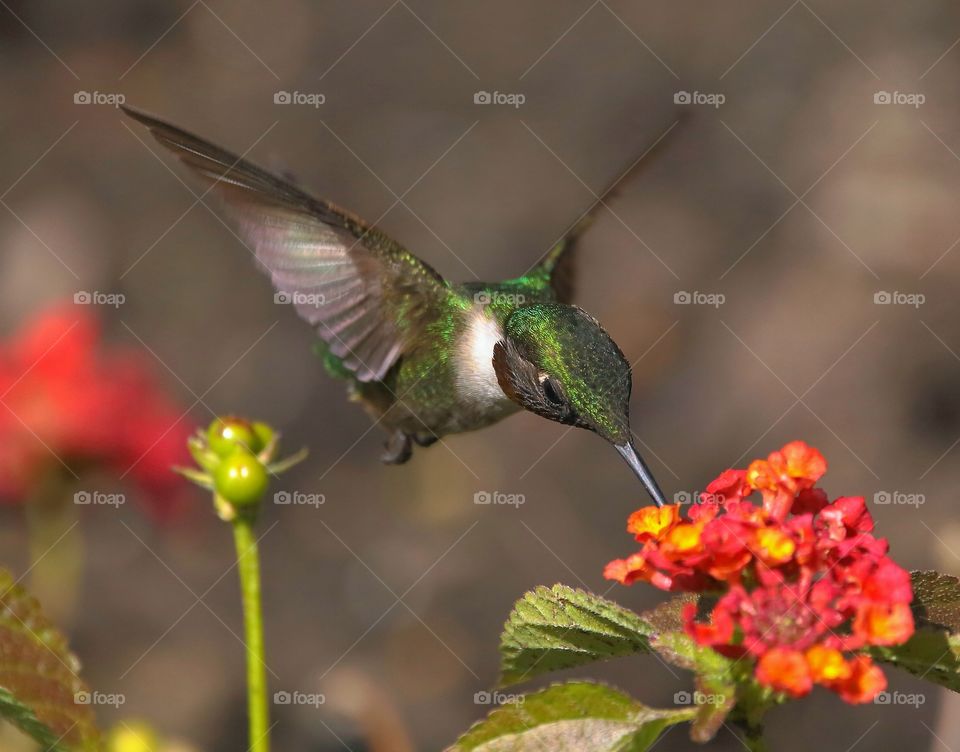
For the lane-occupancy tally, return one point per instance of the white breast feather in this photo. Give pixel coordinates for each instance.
(476, 379)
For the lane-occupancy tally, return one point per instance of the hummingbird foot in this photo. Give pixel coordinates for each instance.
(425, 439)
(397, 449)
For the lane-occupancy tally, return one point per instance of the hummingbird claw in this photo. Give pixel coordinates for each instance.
(397, 449)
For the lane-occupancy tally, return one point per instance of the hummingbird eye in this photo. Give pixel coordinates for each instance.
(551, 390)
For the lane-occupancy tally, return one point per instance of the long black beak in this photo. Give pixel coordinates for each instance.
(629, 453)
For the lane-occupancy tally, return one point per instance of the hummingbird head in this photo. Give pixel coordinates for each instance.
(557, 361)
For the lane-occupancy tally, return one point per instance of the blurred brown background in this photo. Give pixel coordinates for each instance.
(799, 199)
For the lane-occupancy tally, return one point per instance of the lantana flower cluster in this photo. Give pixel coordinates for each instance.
(68, 402)
(801, 584)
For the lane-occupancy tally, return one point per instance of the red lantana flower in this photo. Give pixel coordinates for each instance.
(67, 405)
(801, 583)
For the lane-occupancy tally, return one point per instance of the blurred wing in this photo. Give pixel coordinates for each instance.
(560, 263)
(366, 296)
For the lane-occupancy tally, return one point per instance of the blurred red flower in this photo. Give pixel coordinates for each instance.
(801, 581)
(68, 404)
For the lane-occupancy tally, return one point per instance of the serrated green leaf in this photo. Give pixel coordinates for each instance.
(556, 628)
(936, 599)
(39, 685)
(560, 627)
(573, 717)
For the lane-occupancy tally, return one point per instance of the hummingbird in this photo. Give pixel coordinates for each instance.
(424, 356)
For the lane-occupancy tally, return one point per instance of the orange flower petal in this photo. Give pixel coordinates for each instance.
(785, 670)
(803, 461)
(629, 570)
(652, 523)
(684, 538)
(884, 624)
(865, 682)
(774, 546)
(727, 568)
(760, 475)
(827, 665)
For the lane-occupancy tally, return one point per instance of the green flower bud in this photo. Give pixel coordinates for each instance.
(264, 434)
(241, 478)
(225, 434)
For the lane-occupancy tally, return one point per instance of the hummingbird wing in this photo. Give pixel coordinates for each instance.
(559, 266)
(366, 296)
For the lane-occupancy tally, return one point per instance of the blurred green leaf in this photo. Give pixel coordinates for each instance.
(40, 691)
(556, 628)
(574, 717)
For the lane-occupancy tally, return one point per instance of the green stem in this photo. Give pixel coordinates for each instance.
(56, 547)
(753, 736)
(248, 563)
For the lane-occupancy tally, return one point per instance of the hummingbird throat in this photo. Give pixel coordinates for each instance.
(476, 382)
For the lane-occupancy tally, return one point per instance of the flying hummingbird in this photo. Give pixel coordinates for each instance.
(424, 356)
